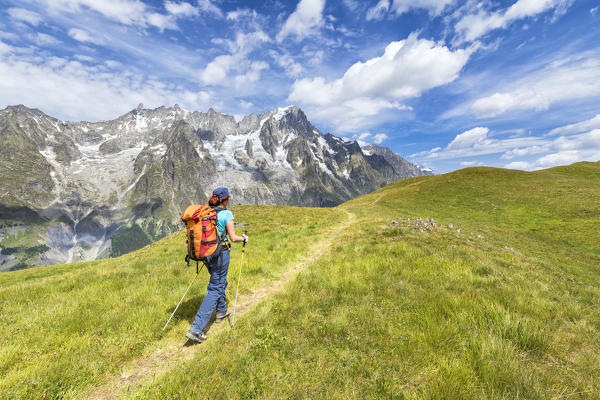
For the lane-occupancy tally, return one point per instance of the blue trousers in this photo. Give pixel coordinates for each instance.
(215, 294)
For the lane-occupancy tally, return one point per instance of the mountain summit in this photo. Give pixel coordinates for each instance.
(81, 190)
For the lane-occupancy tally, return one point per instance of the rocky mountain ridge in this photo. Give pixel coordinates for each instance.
(84, 190)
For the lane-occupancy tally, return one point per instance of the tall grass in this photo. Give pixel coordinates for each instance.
(67, 328)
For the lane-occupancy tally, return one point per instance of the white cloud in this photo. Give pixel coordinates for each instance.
(161, 21)
(236, 61)
(20, 14)
(377, 12)
(246, 105)
(353, 5)
(208, 7)
(8, 35)
(244, 13)
(476, 142)
(517, 165)
(530, 152)
(44, 39)
(379, 138)
(84, 36)
(405, 70)
(286, 61)
(181, 9)
(367, 138)
(69, 89)
(471, 138)
(435, 7)
(4, 48)
(85, 58)
(304, 21)
(590, 124)
(561, 151)
(562, 80)
(252, 73)
(473, 26)
(129, 12)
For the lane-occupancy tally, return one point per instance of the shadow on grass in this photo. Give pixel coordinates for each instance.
(187, 311)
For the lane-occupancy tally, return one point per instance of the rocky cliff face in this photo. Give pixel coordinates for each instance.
(79, 190)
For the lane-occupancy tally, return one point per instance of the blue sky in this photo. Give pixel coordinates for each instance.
(445, 83)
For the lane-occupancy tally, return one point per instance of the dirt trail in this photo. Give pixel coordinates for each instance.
(173, 353)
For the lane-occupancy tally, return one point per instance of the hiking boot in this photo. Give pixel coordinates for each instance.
(196, 337)
(220, 317)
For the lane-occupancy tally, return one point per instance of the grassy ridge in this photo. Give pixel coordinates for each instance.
(505, 308)
(396, 312)
(66, 328)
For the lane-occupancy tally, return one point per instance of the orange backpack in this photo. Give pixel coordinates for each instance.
(203, 240)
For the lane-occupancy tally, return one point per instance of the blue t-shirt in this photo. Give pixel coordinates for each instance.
(223, 217)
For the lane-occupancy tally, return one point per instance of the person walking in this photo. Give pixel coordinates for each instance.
(218, 268)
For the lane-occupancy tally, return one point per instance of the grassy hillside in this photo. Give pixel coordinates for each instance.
(496, 297)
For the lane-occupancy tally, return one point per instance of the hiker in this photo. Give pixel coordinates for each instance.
(218, 267)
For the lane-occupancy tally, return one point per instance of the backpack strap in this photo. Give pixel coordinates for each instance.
(216, 209)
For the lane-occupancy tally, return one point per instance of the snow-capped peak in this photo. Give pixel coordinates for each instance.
(281, 112)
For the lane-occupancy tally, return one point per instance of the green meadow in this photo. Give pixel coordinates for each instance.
(478, 284)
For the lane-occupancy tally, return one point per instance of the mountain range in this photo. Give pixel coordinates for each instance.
(73, 191)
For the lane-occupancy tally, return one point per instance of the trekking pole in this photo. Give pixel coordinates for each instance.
(238, 283)
(175, 310)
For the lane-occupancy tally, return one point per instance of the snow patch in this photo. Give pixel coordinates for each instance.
(160, 149)
(281, 112)
(141, 122)
(324, 144)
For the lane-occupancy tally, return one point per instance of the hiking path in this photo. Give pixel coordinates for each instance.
(176, 350)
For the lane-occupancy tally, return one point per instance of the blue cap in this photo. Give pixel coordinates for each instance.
(221, 192)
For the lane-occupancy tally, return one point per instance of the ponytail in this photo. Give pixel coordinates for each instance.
(214, 201)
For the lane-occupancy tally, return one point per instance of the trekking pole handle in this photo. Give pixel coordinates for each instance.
(244, 244)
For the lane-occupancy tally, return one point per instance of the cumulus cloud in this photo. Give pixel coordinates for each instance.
(236, 61)
(405, 70)
(304, 21)
(577, 143)
(84, 36)
(292, 68)
(560, 151)
(562, 80)
(380, 138)
(473, 26)
(477, 141)
(367, 138)
(68, 89)
(20, 14)
(181, 9)
(471, 138)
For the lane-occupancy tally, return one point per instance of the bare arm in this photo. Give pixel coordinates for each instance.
(231, 233)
